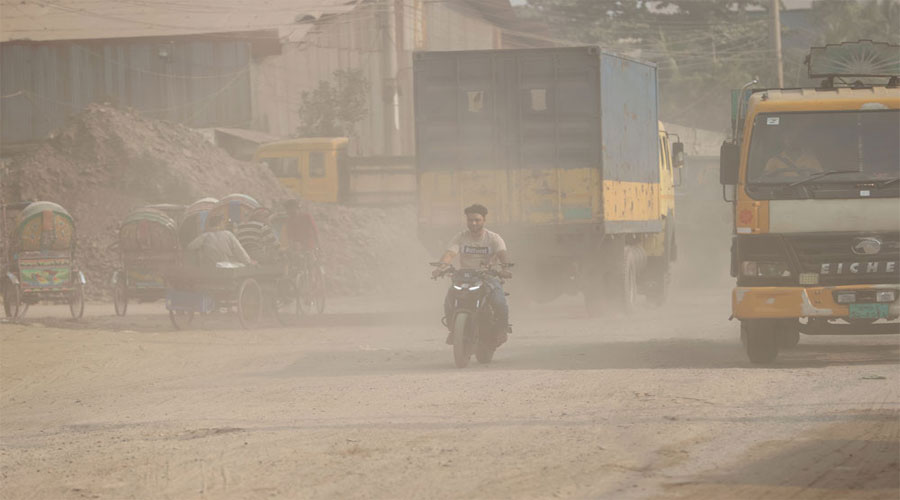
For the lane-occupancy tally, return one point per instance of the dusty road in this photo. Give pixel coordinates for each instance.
(364, 402)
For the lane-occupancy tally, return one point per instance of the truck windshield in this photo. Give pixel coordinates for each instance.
(856, 146)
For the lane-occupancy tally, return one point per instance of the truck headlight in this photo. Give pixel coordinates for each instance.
(887, 296)
(765, 269)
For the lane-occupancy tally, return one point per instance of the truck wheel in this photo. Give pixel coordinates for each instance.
(620, 282)
(657, 283)
(761, 340)
(788, 333)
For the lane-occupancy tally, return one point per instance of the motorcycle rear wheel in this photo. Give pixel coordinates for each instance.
(461, 354)
(484, 353)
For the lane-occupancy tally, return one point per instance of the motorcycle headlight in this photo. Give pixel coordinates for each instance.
(765, 269)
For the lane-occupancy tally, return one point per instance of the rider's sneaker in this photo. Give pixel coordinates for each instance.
(449, 340)
(502, 338)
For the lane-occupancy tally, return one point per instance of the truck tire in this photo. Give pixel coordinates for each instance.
(760, 340)
(659, 269)
(620, 280)
(657, 280)
(788, 333)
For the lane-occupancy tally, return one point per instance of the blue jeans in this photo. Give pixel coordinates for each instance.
(496, 298)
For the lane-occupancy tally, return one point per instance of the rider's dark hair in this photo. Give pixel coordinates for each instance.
(476, 209)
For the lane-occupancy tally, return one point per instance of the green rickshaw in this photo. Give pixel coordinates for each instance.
(40, 261)
(148, 242)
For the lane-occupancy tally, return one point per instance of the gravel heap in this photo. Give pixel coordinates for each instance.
(106, 162)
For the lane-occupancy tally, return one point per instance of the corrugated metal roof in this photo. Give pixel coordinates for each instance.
(49, 20)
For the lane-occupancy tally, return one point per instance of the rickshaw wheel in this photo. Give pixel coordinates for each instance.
(11, 300)
(286, 302)
(312, 291)
(120, 299)
(249, 304)
(181, 320)
(318, 290)
(76, 302)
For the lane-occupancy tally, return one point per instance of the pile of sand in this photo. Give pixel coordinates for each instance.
(106, 162)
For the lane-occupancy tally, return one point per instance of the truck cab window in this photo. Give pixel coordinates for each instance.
(282, 167)
(316, 164)
(794, 146)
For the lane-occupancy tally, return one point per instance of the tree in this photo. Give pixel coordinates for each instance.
(703, 49)
(333, 109)
(843, 21)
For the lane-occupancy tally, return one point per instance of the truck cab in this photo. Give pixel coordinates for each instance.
(320, 169)
(816, 202)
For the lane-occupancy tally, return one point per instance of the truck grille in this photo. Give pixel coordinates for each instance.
(849, 258)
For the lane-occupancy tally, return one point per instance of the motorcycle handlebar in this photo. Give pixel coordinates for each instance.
(449, 269)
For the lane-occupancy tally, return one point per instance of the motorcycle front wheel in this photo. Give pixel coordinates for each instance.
(461, 354)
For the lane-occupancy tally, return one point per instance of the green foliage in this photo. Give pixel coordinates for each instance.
(703, 49)
(333, 108)
(843, 21)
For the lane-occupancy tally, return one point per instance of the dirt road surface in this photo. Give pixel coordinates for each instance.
(364, 402)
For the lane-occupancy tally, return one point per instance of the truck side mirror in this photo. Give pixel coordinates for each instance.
(677, 154)
(729, 163)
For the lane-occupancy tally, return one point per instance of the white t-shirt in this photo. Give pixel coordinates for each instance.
(474, 251)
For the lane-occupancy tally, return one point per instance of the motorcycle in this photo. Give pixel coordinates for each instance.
(471, 318)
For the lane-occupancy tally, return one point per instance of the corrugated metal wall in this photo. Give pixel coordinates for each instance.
(196, 82)
(206, 83)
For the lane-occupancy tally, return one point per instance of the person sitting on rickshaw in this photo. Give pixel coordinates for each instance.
(219, 249)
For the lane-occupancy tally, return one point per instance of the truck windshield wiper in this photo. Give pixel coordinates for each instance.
(822, 174)
(888, 182)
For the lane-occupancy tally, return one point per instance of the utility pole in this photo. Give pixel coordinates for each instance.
(776, 38)
(388, 76)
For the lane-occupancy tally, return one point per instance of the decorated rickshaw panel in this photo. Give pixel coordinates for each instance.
(45, 226)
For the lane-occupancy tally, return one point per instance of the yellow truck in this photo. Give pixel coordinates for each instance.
(816, 201)
(564, 147)
(319, 169)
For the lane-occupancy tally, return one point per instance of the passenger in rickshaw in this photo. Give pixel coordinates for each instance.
(219, 249)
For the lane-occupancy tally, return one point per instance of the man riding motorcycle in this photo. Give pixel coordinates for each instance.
(477, 248)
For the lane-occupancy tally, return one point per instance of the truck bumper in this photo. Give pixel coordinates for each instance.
(820, 302)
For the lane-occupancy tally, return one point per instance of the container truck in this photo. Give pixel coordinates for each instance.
(564, 147)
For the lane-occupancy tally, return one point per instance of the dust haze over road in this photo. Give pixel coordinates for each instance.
(364, 402)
